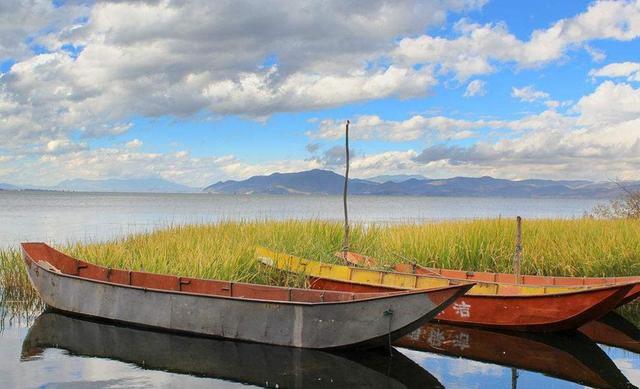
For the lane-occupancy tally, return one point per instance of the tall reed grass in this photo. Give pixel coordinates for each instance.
(18, 301)
(576, 247)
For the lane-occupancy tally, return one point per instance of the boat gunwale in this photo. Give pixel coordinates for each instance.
(574, 291)
(607, 280)
(383, 295)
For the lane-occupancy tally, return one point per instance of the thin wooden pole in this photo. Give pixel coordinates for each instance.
(517, 257)
(345, 244)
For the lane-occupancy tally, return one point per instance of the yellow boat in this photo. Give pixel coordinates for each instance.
(489, 304)
(391, 279)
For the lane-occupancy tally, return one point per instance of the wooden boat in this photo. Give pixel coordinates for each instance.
(569, 356)
(247, 363)
(615, 331)
(249, 312)
(487, 304)
(505, 278)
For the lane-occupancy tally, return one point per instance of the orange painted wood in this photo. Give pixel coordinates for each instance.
(634, 293)
(538, 313)
(73, 266)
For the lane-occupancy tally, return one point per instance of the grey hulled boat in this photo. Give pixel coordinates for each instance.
(249, 312)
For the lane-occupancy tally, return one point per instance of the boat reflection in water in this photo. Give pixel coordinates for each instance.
(568, 356)
(248, 363)
(615, 331)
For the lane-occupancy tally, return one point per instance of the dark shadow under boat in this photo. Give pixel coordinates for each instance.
(570, 356)
(247, 363)
(615, 331)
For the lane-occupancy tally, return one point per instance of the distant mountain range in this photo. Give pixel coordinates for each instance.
(140, 185)
(308, 182)
(326, 182)
(4, 186)
(395, 178)
(330, 183)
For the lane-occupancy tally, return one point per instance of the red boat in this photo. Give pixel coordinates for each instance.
(505, 278)
(487, 304)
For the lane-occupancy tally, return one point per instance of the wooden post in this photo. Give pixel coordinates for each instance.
(517, 257)
(345, 244)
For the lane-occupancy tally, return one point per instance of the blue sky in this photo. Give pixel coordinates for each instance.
(201, 92)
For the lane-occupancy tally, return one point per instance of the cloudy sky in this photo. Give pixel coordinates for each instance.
(199, 91)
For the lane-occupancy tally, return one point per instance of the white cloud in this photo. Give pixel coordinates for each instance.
(596, 55)
(383, 163)
(303, 91)
(20, 20)
(160, 58)
(528, 94)
(475, 88)
(133, 144)
(372, 127)
(601, 142)
(611, 103)
(630, 70)
(61, 146)
(369, 127)
(478, 47)
(598, 138)
(128, 162)
(227, 57)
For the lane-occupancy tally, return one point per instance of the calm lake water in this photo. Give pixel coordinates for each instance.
(62, 217)
(51, 350)
(56, 351)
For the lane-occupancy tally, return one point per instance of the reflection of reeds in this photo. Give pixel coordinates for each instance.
(631, 312)
(577, 247)
(18, 301)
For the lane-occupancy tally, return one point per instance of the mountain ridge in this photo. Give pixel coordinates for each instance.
(326, 182)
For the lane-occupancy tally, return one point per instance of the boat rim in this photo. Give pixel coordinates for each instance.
(382, 296)
(573, 291)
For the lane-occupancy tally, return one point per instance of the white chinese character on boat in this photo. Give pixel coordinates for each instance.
(461, 341)
(435, 338)
(415, 335)
(463, 309)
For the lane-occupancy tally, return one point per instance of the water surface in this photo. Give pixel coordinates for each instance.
(60, 217)
(57, 350)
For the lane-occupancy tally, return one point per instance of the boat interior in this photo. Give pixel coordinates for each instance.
(56, 261)
(401, 280)
(363, 260)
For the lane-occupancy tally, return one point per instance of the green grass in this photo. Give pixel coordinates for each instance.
(18, 301)
(576, 247)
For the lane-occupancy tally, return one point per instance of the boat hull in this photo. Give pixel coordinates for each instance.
(541, 313)
(492, 305)
(358, 323)
(632, 295)
(505, 278)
